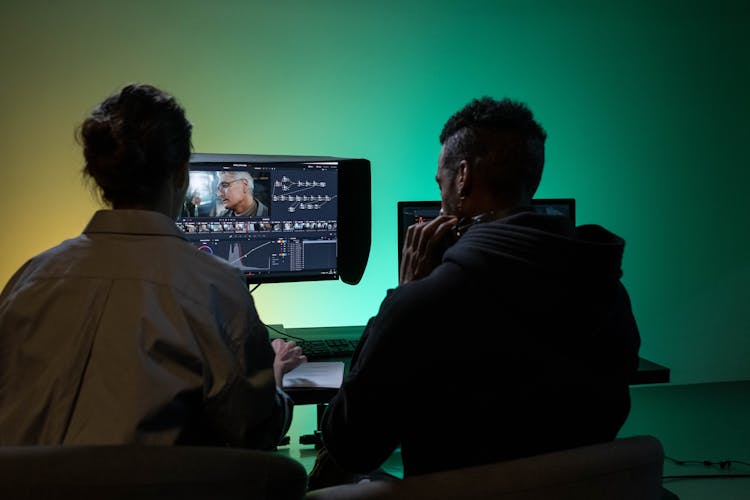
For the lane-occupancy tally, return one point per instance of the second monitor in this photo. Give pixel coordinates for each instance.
(410, 212)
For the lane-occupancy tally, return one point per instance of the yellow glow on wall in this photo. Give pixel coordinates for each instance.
(646, 110)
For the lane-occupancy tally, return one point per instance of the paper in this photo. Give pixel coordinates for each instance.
(323, 374)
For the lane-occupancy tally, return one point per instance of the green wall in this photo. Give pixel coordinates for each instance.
(646, 105)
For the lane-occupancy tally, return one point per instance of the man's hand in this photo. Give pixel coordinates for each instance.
(424, 247)
(288, 357)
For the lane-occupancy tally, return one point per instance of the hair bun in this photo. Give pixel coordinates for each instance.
(132, 143)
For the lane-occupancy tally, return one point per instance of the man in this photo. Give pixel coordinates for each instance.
(518, 339)
(236, 191)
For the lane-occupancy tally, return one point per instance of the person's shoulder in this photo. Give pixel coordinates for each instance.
(46, 262)
(261, 209)
(62, 252)
(208, 281)
(211, 264)
(597, 234)
(425, 295)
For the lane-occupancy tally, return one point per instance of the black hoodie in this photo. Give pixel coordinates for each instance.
(521, 342)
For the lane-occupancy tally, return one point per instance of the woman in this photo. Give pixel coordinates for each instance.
(127, 333)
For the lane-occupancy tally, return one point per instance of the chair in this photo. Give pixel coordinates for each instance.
(626, 468)
(148, 472)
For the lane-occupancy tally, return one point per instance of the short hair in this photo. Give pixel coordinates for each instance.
(502, 136)
(241, 174)
(133, 142)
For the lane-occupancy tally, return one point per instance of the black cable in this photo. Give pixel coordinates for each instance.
(707, 476)
(284, 334)
(722, 464)
(272, 328)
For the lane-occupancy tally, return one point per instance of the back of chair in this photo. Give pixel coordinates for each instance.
(624, 469)
(148, 472)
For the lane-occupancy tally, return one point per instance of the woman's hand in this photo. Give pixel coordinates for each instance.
(288, 357)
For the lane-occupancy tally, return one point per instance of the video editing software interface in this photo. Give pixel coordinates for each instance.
(296, 239)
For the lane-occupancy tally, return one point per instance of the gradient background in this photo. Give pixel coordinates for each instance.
(646, 106)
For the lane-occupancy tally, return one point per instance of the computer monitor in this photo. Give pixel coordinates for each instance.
(312, 223)
(410, 212)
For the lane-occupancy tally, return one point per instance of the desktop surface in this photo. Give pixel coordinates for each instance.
(648, 371)
(339, 342)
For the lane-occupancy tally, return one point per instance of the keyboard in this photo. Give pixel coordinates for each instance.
(319, 349)
(320, 343)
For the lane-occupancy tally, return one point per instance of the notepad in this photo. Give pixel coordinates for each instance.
(322, 374)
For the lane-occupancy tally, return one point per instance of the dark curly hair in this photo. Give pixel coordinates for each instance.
(132, 142)
(502, 137)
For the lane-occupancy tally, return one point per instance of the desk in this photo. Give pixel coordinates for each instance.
(648, 371)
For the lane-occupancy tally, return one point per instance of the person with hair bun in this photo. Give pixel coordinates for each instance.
(127, 334)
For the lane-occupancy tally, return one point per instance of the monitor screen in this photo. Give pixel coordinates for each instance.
(410, 212)
(274, 218)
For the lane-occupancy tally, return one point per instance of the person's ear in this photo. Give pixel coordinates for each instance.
(181, 176)
(464, 179)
